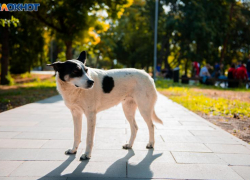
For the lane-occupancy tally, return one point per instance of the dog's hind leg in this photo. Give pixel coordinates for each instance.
(146, 112)
(77, 118)
(129, 108)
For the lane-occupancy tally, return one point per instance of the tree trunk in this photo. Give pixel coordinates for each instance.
(69, 54)
(163, 43)
(227, 35)
(167, 46)
(5, 55)
(186, 67)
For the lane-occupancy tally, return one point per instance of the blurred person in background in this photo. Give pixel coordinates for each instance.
(248, 66)
(216, 72)
(231, 76)
(158, 70)
(241, 73)
(196, 69)
(239, 64)
(205, 75)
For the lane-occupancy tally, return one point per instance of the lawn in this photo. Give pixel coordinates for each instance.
(20, 94)
(228, 108)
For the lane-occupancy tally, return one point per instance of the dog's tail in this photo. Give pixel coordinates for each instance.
(156, 119)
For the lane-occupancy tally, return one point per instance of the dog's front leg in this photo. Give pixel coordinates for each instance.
(91, 123)
(77, 118)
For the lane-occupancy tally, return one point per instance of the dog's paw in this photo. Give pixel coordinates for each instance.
(127, 146)
(69, 152)
(150, 146)
(84, 157)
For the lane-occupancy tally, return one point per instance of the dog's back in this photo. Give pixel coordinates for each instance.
(114, 86)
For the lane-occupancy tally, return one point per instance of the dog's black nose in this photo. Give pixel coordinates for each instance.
(90, 82)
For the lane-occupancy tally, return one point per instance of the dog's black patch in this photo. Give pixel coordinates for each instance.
(107, 84)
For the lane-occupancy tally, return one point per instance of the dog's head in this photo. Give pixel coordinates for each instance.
(74, 71)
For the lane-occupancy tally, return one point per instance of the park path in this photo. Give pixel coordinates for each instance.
(33, 139)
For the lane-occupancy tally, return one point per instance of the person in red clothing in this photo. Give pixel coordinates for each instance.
(241, 73)
(196, 69)
(231, 76)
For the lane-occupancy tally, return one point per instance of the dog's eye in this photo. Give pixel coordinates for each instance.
(86, 70)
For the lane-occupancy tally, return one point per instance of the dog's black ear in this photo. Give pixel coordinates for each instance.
(56, 65)
(82, 57)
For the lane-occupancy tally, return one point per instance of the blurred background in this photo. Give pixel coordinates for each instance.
(120, 34)
(194, 36)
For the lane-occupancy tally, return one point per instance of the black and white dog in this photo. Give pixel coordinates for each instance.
(89, 91)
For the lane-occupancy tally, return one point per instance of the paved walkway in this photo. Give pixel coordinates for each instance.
(33, 139)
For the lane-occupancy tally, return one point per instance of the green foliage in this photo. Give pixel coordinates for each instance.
(76, 21)
(26, 44)
(13, 21)
(10, 79)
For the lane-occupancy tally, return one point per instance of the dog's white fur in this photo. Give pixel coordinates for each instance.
(133, 88)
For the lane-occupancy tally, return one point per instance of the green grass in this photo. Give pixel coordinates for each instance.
(14, 96)
(198, 102)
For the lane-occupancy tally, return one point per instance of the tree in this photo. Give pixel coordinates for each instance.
(6, 21)
(69, 18)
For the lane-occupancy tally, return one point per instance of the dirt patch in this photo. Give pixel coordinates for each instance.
(231, 95)
(19, 79)
(237, 127)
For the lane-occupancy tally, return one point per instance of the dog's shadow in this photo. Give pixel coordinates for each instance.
(116, 167)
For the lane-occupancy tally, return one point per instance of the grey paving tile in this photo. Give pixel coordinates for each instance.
(236, 159)
(36, 155)
(218, 140)
(61, 144)
(228, 148)
(18, 123)
(6, 167)
(193, 123)
(109, 146)
(104, 178)
(28, 129)
(243, 171)
(46, 136)
(197, 158)
(178, 139)
(96, 169)
(55, 124)
(8, 135)
(190, 147)
(38, 168)
(150, 156)
(71, 169)
(33, 178)
(144, 137)
(214, 133)
(186, 127)
(21, 143)
(181, 171)
(111, 155)
(174, 132)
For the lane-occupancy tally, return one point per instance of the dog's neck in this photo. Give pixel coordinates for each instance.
(68, 91)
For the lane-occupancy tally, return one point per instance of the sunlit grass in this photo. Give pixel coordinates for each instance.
(198, 102)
